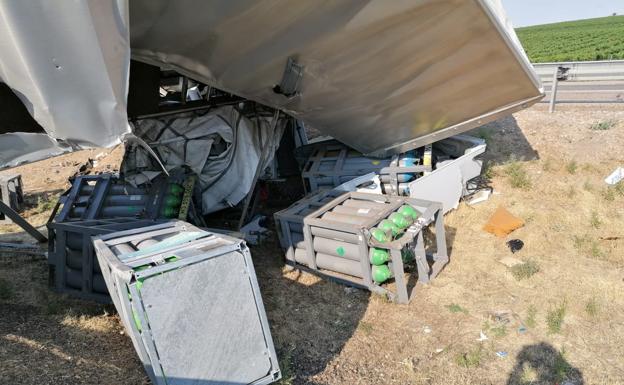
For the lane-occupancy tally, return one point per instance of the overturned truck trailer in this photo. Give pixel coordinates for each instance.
(382, 77)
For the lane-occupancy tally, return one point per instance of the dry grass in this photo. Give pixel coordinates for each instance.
(555, 317)
(525, 270)
(327, 335)
(517, 175)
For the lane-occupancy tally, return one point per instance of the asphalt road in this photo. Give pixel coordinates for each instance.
(587, 92)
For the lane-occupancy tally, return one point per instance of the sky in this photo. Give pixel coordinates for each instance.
(531, 12)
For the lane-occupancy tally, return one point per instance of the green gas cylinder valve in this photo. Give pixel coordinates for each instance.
(389, 227)
(379, 256)
(409, 211)
(400, 220)
(379, 235)
(381, 273)
(172, 201)
(176, 189)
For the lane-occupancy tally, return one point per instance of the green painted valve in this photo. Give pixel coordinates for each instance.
(389, 227)
(381, 273)
(400, 220)
(176, 189)
(172, 201)
(409, 211)
(379, 235)
(169, 212)
(379, 257)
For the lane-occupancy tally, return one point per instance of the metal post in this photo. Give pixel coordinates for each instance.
(553, 91)
(21, 222)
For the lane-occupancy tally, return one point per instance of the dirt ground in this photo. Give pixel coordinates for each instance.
(562, 323)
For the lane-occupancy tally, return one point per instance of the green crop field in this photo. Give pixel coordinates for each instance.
(591, 39)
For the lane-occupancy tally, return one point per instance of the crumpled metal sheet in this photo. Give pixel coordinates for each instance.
(381, 76)
(23, 147)
(68, 62)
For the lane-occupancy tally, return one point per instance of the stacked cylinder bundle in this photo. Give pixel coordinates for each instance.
(72, 263)
(333, 164)
(363, 239)
(104, 196)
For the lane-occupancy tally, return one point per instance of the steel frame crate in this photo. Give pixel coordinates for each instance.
(72, 262)
(12, 194)
(105, 196)
(327, 168)
(190, 301)
(342, 251)
(289, 222)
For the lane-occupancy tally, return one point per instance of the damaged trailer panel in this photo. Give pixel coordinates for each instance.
(382, 77)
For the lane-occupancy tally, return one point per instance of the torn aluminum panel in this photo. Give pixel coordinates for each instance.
(68, 62)
(221, 146)
(380, 76)
(24, 147)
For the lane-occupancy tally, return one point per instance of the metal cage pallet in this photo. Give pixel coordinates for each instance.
(332, 163)
(105, 196)
(12, 194)
(72, 262)
(335, 241)
(190, 301)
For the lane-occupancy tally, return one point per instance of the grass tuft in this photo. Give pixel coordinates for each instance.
(603, 125)
(366, 327)
(499, 331)
(455, 308)
(561, 367)
(470, 359)
(608, 194)
(594, 220)
(531, 314)
(286, 367)
(555, 316)
(592, 307)
(572, 167)
(588, 186)
(518, 176)
(525, 270)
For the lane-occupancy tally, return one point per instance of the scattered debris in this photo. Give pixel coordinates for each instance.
(502, 354)
(609, 238)
(479, 197)
(255, 232)
(502, 223)
(426, 330)
(616, 176)
(522, 329)
(501, 316)
(482, 337)
(515, 245)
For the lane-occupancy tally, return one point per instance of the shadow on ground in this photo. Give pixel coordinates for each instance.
(543, 364)
(505, 141)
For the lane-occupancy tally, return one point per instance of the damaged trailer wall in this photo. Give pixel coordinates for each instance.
(68, 62)
(222, 146)
(380, 76)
